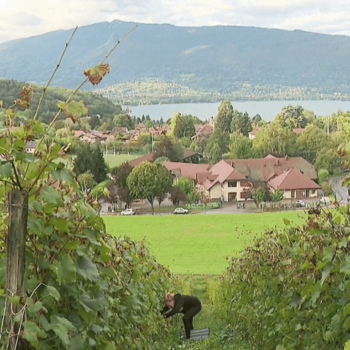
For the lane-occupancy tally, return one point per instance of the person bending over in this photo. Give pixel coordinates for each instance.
(188, 305)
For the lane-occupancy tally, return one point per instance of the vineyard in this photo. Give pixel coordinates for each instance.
(67, 283)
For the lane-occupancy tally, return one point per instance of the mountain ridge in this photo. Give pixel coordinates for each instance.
(217, 58)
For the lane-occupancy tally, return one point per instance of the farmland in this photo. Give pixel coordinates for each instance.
(197, 244)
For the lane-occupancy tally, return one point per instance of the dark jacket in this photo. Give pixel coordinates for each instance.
(182, 304)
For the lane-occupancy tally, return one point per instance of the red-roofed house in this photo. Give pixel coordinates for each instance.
(226, 183)
(206, 129)
(295, 185)
(219, 181)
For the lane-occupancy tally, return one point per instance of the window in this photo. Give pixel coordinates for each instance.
(232, 184)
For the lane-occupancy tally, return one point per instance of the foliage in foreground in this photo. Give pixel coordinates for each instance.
(291, 289)
(83, 289)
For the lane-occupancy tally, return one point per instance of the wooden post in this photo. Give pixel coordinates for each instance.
(16, 249)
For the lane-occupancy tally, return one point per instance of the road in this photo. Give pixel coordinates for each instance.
(340, 191)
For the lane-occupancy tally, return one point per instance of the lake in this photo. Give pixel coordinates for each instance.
(267, 109)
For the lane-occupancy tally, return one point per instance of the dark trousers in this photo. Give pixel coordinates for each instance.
(188, 319)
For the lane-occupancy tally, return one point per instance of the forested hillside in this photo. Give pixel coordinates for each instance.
(218, 58)
(96, 104)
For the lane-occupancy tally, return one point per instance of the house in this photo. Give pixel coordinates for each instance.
(295, 185)
(264, 169)
(279, 172)
(206, 129)
(137, 161)
(214, 182)
(230, 179)
(30, 146)
(224, 183)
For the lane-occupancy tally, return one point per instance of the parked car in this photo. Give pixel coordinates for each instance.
(128, 212)
(325, 200)
(300, 203)
(180, 211)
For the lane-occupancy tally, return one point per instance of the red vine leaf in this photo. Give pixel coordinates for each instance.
(22, 103)
(96, 74)
(73, 110)
(27, 94)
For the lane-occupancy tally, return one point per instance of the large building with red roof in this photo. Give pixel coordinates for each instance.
(230, 179)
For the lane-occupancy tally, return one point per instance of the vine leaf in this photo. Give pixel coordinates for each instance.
(34, 308)
(61, 327)
(10, 113)
(27, 94)
(73, 110)
(87, 269)
(50, 195)
(96, 74)
(31, 332)
(6, 170)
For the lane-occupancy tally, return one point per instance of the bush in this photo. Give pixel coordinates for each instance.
(290, 290)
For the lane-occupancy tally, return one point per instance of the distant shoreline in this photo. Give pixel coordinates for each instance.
(266, 109)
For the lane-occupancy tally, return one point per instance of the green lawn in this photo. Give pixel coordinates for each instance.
(117, 159)
(198, 243)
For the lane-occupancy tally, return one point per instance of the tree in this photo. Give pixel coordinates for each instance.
(193, 197)
(241, 123)
(328, 159)
(224, 117)
(312, 139)
(256, 119)
(218, 145)
(160, 197)
(277, 195)
(200, 143)
(123, 120)
(98, 164)
(94, 122)
(258, 195)
(168, 148)
(177, 195)
(273, 138)
(120, 175)
(86, 181)
(83, 160)
(182, 125)
(322, 175)
(186, 184)
(291, 117)
(147, 180)
(240, 147)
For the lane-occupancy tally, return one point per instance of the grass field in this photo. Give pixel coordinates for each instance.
(117, 159)
(197, 244)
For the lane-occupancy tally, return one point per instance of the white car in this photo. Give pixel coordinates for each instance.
(128, 212)
(300, 203)
(180, 211)
(325, 200)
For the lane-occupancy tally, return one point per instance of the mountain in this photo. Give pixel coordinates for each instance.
(216, 58)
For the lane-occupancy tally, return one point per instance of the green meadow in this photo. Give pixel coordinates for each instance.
(114, 160)
(198, 243)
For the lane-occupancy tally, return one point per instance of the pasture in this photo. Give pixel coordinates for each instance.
(197, 244)
(114, 160)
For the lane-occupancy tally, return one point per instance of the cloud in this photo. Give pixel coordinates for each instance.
(22, 18)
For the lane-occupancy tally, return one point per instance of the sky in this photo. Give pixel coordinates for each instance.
(24, 18)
